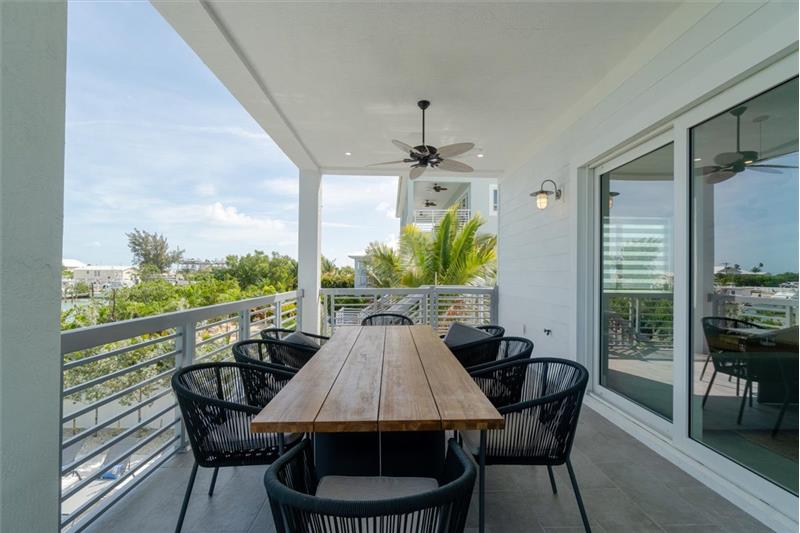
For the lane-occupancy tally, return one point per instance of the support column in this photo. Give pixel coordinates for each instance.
(308, 250)
(32, 92)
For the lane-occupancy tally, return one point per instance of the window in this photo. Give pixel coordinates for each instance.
(744, 343)
(636, 206)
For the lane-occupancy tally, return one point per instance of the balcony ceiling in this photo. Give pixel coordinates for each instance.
(328, 78)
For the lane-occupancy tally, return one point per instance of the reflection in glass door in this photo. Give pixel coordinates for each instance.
(636, 204)
(745, 284)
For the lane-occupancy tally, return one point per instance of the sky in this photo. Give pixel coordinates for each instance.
(154, 141)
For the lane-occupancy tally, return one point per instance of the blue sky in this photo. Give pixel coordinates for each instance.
(154, 141)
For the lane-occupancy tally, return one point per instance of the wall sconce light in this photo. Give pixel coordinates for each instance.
(542, 195)
(611, 196)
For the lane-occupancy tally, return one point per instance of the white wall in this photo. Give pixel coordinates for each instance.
(698, 52)
(32, 88)
(695, 53)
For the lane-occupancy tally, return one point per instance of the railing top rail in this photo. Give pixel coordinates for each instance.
(74, 340)
(375, 291)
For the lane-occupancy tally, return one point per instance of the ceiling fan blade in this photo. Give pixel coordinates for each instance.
(454, 166)
(766, 170)
(773, 166)
(389, 163)
(416, 172)
(719, 177)
(405, 147)
(453, 150)
(710, 169)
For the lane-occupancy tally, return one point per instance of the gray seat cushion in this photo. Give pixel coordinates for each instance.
(461, 334)
(366, 488)
(299, 338)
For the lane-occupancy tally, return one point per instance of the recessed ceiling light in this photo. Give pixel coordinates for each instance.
(698, 158)
(348, 154)
(480, 155)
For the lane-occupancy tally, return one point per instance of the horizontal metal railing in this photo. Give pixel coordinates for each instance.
(636, 317)
(119, 418)
(436, 306)
(766, 311)
(426, 219)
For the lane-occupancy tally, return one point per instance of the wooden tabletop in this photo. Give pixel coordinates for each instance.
(380, 378)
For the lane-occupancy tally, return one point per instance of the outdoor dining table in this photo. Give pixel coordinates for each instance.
(383, 378)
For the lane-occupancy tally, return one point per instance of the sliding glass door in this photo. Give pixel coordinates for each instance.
(744, 334)
(636, 265)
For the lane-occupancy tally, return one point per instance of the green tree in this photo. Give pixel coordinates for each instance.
(152, 249)
(449, 255)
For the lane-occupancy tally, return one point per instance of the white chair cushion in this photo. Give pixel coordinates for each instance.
(460, 334)
(364, 488)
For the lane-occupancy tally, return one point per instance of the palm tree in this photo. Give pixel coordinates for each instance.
(449, 255)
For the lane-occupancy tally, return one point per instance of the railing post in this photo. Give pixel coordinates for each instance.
(277, 318)
(244, 324)
(494, 306)
(185, 346)
(435, 308)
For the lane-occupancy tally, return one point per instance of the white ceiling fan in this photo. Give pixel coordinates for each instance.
(425, 156)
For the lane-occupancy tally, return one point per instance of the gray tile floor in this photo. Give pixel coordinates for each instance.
(626, 487)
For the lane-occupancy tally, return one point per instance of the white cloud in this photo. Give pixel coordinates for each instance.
(282, 186)
(205, 189)
(386, 209)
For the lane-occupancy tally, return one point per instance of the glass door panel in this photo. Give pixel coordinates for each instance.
(636, 205)
(745, 284)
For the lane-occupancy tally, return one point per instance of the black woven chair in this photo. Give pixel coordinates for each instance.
(491, 329)
(387, 319)
(274, 351)
(291, 484)
(723, 341)
(508, 349)
(540, 400)
(217, 402)
(491, 349)
(281, 333)
(269, 354)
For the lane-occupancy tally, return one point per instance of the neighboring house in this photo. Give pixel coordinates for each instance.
(472, 195)
(106, 276)
(360, 279)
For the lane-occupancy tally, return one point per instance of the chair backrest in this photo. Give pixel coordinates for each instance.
(281, 333)
(276, 352)
(218, 400)
(494, 331)
(478, 352)
(508, 348)
(291, 483)
(387, 319)
(540, 399)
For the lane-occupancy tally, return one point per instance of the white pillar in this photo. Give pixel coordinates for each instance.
(32, 92)
(308, 253)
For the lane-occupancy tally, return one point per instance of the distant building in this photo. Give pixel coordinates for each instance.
(199, 265)
(360, 279)
(106, 276)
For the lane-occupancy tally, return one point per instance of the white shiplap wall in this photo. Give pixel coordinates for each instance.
(697, 52)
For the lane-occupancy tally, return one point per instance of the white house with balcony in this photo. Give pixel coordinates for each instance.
(686, 110)
(423, 202)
